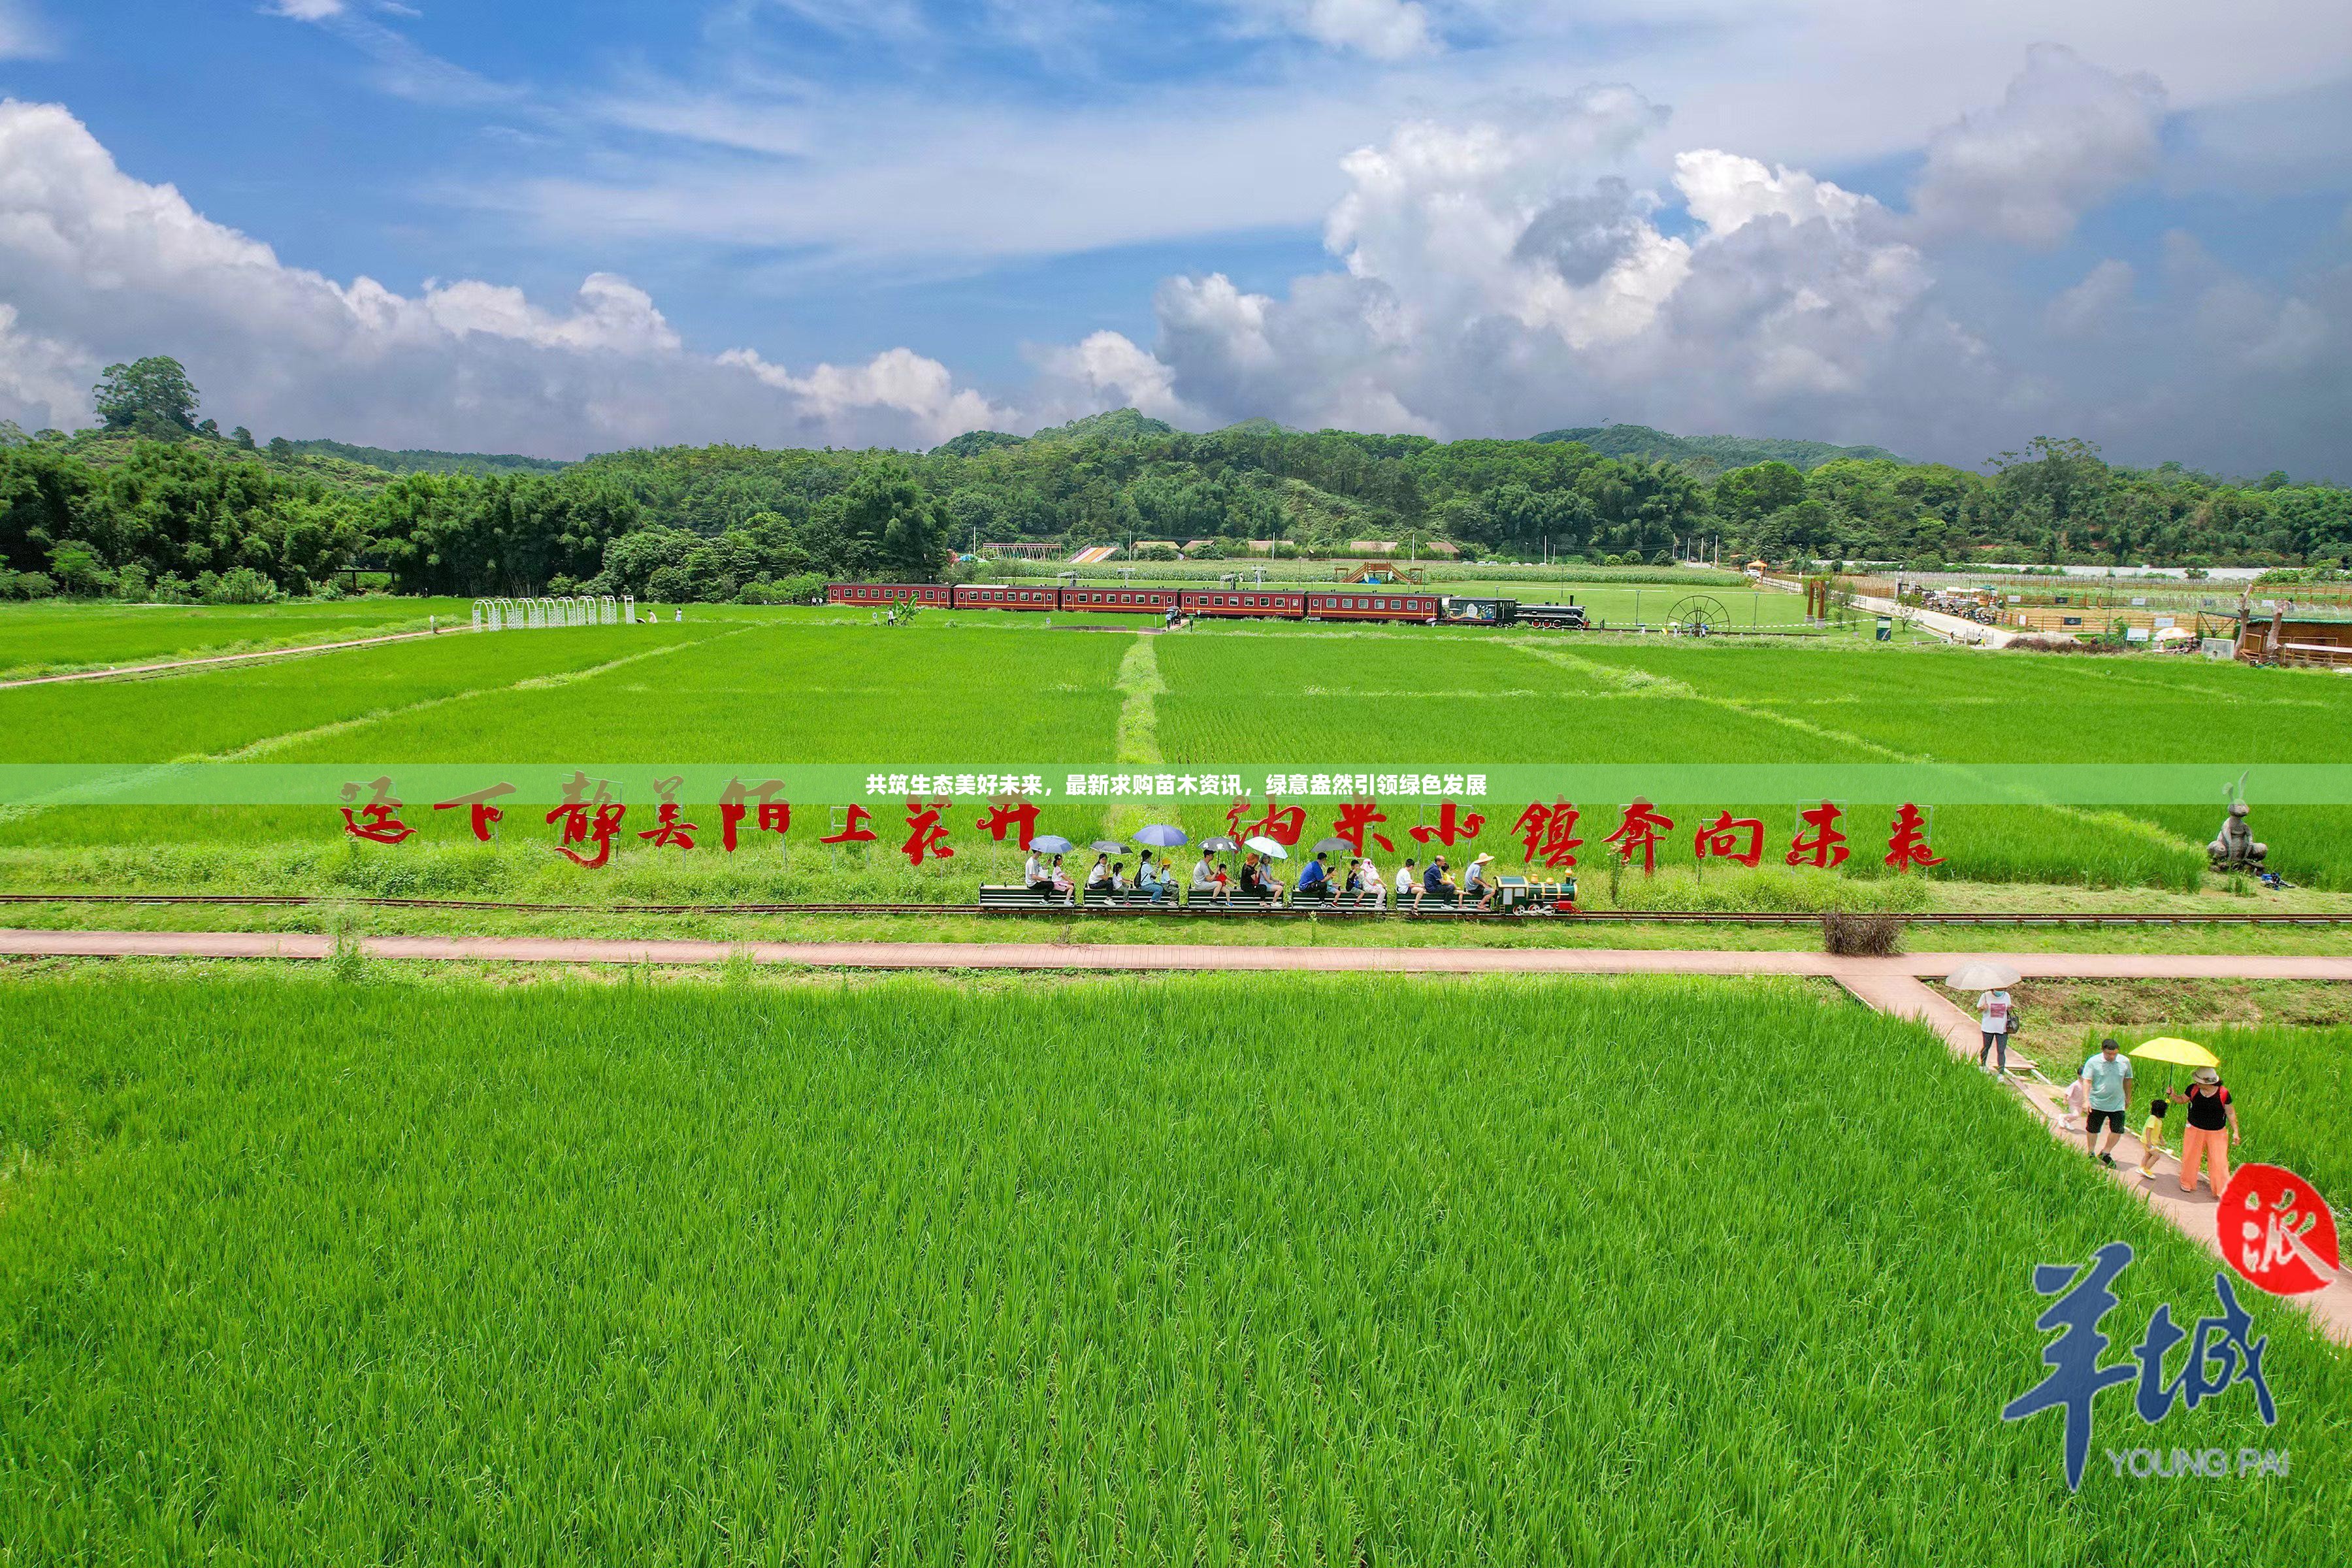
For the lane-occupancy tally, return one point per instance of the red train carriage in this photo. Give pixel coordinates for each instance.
(1121, 601)
(1006, 596)
(1243, 602)
(1361, 604)
(877, 596)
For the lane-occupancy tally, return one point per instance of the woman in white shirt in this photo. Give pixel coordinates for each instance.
(1375, 887)
(1994, 1017)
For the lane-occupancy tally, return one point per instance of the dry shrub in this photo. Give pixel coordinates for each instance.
(1861, 935)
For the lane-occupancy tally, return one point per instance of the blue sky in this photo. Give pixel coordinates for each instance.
(869, 222)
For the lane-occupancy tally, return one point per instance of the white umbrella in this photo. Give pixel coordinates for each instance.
(1982, 975)
(1269, 847)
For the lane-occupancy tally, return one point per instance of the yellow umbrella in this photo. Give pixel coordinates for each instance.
(2182, 1053)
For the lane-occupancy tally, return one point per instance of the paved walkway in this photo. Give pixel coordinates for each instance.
(118, 670)
(1893, 985)
(1951, 628)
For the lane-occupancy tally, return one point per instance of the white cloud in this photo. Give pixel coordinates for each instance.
(2067, 136)
(307, 10)
(1106, 370)
(23, 35)
(97, 266)
(2095, 305)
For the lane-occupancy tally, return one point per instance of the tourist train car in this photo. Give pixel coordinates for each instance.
(1095, 600)
(1245, 602)
(880, 596)
(1234, 601)
(1007, 596)
(1356, 604)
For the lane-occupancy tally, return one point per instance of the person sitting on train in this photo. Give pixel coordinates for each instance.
(1035, 874)
(1375, 887)
(1205, 878)
(1478, 882)
(1155, 878)
(1119, 882)
(1063, 887)
(1225, 883)
(1098, 876)
(1251, 883)
(1314, 880)
(1438, 883)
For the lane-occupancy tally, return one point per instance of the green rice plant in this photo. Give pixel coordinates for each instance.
(1237, 1270)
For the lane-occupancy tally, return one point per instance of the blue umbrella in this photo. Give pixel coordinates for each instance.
(1047, 844)
(1160, 836)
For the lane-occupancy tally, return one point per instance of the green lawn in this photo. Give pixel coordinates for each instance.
(320, 1269)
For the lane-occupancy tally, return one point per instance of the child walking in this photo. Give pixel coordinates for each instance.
(2151, 1139)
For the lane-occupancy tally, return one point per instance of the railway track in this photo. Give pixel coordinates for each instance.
(1605, 917)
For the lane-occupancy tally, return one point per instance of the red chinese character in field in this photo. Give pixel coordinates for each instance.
(1355, 821)
(775, 816)
(483, 816)
(578, 826)
(668, 829)
(855, 830)
(925, 836)
(1451, 826)
(1640, 830)
(1283, 824)
(1721, 837)
(1021, 819)
(378, 821)
(1826, 847)
(1908, 845)
(1549, 833)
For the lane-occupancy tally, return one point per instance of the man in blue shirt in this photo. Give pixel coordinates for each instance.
(2108, 1078)
(1313, 880)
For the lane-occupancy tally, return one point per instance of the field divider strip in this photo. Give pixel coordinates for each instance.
(127, 671)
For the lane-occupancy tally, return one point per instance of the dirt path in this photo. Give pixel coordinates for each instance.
(116, 672)
(1895, 986)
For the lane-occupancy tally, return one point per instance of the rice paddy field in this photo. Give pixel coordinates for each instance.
(52, 638)
(349, 1268)
(796, 687)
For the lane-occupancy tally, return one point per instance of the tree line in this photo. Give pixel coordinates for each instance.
(156, 503)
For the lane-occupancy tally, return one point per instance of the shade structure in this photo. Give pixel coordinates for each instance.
(1220, 846)
(2180, 1052)
(1051, 843)
(1269, 847)
(1106, 846)
(1982, 975)
(1160, 836)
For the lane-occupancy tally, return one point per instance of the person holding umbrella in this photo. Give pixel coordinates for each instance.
(2213, 1125)
(1996, 1016)
(1267, 852)
(1205, 878)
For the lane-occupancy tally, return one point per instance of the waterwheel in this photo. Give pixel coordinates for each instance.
(1699, 615)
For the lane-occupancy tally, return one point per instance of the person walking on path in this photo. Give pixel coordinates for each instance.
(2212, 1127)
(2108, 1077)
(1994, 1020)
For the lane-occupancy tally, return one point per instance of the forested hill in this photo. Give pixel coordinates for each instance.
(191, 512)
(1707, 455)
(411, 460)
